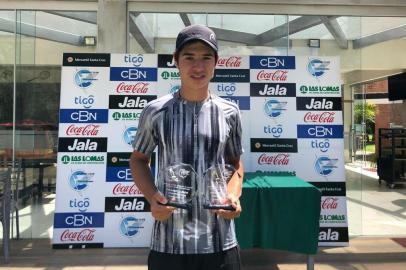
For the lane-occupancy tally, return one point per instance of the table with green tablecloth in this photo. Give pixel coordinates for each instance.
(279, 212)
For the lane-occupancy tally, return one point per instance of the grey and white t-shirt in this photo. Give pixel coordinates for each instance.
(201, 134)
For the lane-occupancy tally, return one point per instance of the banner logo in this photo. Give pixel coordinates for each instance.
(274, 108)
(133, 74)
(76, 220)
(135, 60)
(232, 61)
(317, 67)
(320, 131)
(126, 204)
(85, 78)
(130, 226)
(86, 102)
(272, 62)
(129, 102)
(129, 135)
(325, 165)
(275, 76)
(80, 180)
(136, 88)
(82, 144)
(85, 235)
(273, 89)
(318, 104)
(83, 116)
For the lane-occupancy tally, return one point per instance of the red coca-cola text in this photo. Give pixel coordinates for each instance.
(232, 61)
(324, 117)
(84, 235)
(276, 76)
(121, 189)
(88, 130)
(137, 88)
(279, 159)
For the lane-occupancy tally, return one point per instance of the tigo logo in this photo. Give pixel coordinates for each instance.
(135, 60)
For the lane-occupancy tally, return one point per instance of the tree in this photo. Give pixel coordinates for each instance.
(365, 113)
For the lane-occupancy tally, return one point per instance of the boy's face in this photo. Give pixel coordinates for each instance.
(196, 63)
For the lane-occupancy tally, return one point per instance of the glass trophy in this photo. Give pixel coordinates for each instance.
(215, 190)
(179, 185)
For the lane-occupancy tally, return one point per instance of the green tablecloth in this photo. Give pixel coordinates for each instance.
(279, 212)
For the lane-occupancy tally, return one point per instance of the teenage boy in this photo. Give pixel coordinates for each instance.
(197, 128)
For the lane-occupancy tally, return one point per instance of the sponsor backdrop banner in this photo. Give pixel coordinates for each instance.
(291, 111)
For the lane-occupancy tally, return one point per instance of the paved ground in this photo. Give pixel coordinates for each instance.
(362, 254)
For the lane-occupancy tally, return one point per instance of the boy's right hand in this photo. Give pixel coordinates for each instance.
(159, 210)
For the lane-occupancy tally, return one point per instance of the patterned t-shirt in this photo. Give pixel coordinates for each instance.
(201, 134)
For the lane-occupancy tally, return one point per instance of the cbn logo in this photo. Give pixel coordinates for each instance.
(116, 116)
(65, 159)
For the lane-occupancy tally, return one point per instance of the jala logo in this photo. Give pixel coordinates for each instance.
(320, 105)
(81, 205)
(85, 78)
(130, 103)
(322, 145)
(325, 165)
(135, 60)
(273, 90)
(130, 205)
(132, 88)
(329, 235)
(87, 145)
(317, 67)
(130, 226)
(274, 108)
(80, 180)
(129, 135)
(170, 75)
(229, 88)
(275, 131)
(86, 102)
(232, 61)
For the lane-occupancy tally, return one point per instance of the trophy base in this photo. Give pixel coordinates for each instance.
(178, 205)
(218, 207)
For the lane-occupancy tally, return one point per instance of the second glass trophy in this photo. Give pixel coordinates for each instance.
(215, 190)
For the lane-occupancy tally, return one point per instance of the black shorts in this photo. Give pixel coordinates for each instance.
(224, 260)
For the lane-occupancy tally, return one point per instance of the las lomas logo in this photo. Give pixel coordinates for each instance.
(174, 75)
(126, 116)
(319, 90)
(82, 159)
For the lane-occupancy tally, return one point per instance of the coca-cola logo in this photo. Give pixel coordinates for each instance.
(329, 203)
(274, 75)
(85, 235)
(88, 130)
(232, 61)
(133, 88)
(279, 159)
(324, 117)
(121, 189)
